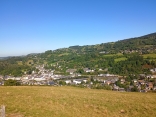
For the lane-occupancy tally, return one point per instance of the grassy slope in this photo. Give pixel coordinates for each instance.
(120, 59)
(149, 55)
(75, 102)
(110, 55)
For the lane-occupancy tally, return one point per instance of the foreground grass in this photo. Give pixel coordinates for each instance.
(75, 102)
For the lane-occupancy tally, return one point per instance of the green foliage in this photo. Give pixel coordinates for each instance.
(133, 65)
(135, 89)
(11, 82)
(81, 71)
(117, 57)
(99, 86)
(11, 67)
(62, 82)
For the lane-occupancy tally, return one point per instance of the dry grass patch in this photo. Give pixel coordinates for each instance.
(75, 102)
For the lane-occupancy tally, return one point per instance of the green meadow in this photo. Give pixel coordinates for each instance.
(149, 56)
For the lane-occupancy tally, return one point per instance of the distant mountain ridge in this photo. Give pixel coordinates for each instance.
(144, 43)
(149, 35)
(138, 43)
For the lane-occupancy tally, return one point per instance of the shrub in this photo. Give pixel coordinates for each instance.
(11, 82)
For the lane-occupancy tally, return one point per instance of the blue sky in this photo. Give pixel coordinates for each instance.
(33, 26)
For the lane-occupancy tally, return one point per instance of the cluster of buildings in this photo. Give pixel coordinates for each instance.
(47, 77)
(144, 84)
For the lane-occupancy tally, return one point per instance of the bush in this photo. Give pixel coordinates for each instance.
(62, 82)
(11, 82)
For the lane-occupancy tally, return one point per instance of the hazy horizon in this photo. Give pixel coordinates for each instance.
(34, 26)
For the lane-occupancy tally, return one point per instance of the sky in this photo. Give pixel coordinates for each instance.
(35, 26)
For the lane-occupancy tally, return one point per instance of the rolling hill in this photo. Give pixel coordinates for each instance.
(109, 56)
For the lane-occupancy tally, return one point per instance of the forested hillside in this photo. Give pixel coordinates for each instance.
(129, 56)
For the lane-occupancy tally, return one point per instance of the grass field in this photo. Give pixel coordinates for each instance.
(120, 59)
(149, 55)
(29, 62)
(19, 63)
(110, 55)
(64, 54)
(42, 101)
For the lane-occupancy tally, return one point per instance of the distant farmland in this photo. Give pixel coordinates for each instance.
(38, 101)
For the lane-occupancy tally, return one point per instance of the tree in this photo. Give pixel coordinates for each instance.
(81, 71)
(134, 89)
(62, 82)
(11, 82)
